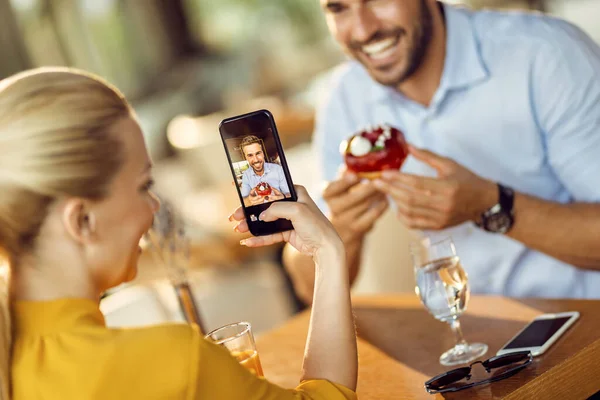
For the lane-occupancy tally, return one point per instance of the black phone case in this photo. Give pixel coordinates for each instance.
(260, 228)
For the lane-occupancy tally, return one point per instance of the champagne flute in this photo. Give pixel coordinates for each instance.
(443, 288)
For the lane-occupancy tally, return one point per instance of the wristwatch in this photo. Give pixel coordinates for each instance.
(500, 217)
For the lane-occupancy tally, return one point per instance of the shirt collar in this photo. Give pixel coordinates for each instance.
(267, 170)
(45, 317)
(463, 65)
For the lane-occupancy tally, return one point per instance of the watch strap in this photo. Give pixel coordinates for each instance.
(506, 198)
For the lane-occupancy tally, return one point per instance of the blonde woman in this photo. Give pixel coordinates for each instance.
(75, 199)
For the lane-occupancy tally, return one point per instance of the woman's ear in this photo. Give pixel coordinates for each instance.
(79, 221)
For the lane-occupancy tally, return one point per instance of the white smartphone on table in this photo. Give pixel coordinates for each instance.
(540, 333)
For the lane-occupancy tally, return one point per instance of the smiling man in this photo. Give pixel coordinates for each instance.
(394, 51)
(261, 172)
(503, 114)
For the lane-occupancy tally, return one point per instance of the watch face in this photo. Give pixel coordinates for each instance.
(500, 223)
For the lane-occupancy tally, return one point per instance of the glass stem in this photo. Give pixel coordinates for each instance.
(460, 340)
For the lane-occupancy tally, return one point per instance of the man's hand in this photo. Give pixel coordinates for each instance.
(457, 195)
(354, 206)
(254, 198)
(275, 195)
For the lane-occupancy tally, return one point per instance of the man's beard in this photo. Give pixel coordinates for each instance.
(260, 165)
(421, 38)
(423, 32)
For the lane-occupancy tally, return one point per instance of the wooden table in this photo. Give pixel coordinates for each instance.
(400, 344)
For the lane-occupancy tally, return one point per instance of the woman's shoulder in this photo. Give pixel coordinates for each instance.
(86, 357)
(178, 336)
(120, 362)
(156, 347)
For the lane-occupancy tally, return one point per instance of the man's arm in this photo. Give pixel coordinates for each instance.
(283, 186)
(246, 187)
(565, 89)
(568, 232)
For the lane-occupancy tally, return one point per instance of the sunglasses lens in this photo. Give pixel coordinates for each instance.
(448, 377)
(506, 359)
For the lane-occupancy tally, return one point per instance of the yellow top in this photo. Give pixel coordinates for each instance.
(63, 350)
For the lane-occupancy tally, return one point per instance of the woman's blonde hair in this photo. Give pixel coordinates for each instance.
(55, 141)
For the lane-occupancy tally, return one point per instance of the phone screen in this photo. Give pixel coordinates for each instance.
(258, 165)
(537, 333)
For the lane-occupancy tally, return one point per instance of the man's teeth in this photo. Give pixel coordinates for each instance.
(380, 49)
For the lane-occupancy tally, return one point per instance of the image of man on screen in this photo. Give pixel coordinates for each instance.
(259, 173)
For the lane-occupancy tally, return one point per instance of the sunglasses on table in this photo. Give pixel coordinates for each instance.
(450, 381)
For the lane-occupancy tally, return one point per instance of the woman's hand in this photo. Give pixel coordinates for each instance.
(331, 317)
(312, 230)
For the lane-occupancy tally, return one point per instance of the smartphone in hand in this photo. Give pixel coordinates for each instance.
(258, 166)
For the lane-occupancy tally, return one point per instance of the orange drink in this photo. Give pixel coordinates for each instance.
(238, 339)
(249, 359)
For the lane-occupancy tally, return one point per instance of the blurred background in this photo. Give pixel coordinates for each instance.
(185, 65)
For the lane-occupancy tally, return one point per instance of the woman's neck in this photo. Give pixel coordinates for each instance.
(36, 279)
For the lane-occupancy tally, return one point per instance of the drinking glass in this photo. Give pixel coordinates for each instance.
(238, 339)
(443, 288)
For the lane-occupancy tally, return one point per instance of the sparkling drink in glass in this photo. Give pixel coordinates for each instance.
(443, 287)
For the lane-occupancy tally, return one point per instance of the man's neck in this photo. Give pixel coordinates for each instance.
(423, 84)
(262, 172)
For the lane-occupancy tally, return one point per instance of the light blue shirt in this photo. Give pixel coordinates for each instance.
(519, 104)
(273, 175)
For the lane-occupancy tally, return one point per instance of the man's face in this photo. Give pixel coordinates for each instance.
(255, 157)
(389, 37)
